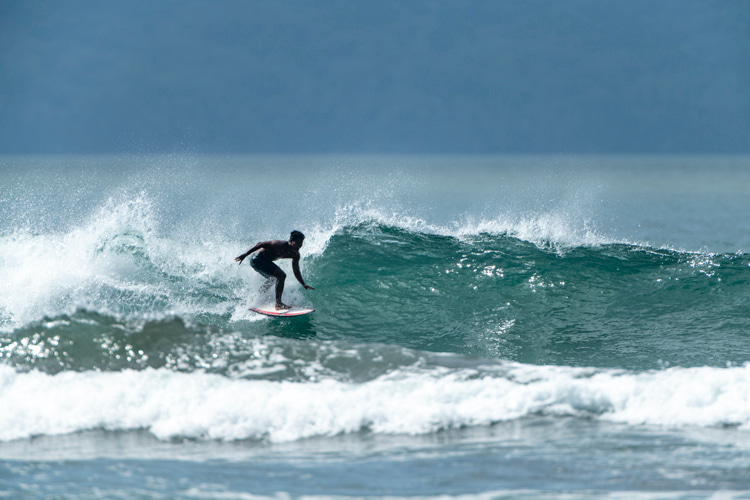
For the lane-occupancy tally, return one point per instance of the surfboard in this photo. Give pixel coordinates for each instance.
(270, 310)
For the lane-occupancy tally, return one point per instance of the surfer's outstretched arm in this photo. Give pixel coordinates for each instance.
(255, 248)
(298, 274)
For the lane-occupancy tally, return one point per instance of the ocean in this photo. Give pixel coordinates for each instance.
(485, 327)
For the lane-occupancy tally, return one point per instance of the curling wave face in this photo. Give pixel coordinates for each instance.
(121, 297)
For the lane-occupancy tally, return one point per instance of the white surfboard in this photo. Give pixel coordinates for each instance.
(270, 310)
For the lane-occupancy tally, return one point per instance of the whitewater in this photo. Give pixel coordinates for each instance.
(485, 327)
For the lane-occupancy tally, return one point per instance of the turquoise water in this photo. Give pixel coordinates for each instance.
(491, 327)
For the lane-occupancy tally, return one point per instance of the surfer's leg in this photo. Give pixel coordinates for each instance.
(270, 271)
(280, 278)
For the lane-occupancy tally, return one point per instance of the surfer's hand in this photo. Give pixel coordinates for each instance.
(308, 287)
(240, 259)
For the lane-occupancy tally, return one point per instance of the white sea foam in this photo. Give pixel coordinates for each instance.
(556, 228)
(114, 262)
(208, 406)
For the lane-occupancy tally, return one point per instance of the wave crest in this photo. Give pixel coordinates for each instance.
(204, 406)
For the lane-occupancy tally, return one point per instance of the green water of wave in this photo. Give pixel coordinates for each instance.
(500, 297)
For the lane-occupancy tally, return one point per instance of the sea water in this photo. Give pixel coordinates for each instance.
(485, 327)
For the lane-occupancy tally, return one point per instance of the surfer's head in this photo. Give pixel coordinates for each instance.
(297, 237)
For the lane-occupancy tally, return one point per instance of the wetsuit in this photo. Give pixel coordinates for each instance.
(264, 265)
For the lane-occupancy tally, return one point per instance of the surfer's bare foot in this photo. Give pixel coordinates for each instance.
(281, 306)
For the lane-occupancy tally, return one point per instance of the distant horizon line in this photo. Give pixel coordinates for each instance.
(370, 154)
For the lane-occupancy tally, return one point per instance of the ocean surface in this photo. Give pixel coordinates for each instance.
(485, 328)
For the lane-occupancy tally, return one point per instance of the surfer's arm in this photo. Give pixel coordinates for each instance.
(255, 248)
(297, 274)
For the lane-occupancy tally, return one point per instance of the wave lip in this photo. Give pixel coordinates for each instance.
(208, 406)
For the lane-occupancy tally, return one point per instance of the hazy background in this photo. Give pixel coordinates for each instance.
(441, 76)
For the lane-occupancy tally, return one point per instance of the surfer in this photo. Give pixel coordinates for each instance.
(269, 251)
